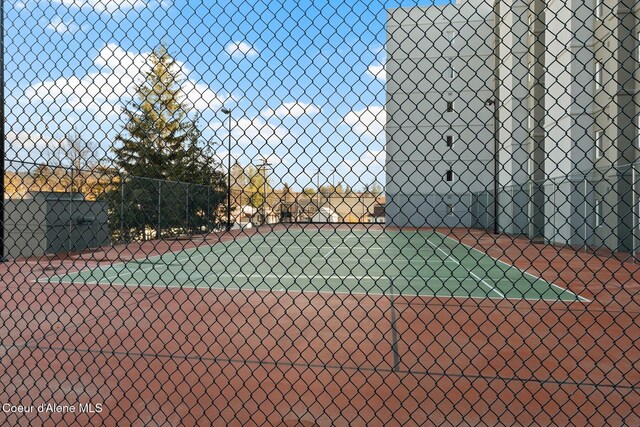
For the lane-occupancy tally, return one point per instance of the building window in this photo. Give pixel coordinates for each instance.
(451, 36)
(449, 176)
(599, 75)
(449, 106)
(449, 141)
(598, 212)
(599, 144)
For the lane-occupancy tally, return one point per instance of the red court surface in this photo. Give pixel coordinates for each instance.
(204, 357)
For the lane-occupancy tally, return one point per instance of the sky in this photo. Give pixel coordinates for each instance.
(304, 79)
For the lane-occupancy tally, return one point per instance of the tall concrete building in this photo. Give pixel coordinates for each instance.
(439, 128)
(519, 95)
(616, 47)
(563, 79)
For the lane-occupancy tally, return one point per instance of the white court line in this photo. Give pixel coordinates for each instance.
(361, 248)
(334, 249)
(286, 276)
(126, 272)
(345, 259)
(307, 291)
(351, 248)
(154, 257)
(235, 275)
(516, 268)
(470, 272)
(184, 256)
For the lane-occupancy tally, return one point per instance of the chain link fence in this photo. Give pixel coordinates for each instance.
(320, 213)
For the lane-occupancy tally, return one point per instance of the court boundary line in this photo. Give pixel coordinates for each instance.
(579, 297)
(217, 275)
(475, 276)
(307, 291)
(355, 258)
(333, 250)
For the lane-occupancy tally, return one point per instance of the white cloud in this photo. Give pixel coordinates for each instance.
(294, 109)
(30, 146)
(370, 159)
(109, 6)
(115, 82)
(366, 169)
(58, 25)
(378, 72)
(26, 140)
(251, 131)
(94, 89)
(241, 49)
(200, 96)
(370, 120)
(61, 26)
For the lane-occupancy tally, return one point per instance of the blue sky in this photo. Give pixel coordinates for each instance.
(304, 79)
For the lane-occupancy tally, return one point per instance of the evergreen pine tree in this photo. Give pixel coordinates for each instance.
(160, 141)
(158, 125)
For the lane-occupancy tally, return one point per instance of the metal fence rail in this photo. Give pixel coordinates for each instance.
(320, 213)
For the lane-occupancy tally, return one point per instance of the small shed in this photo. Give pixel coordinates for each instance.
(45, 222)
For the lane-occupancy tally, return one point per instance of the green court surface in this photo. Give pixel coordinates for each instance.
(355, 262)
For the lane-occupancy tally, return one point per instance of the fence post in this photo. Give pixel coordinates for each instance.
(186, 227)
(159, 226)
(469, 209)
(2, 137)
(70, 228)
(121, 209)
(584, 216)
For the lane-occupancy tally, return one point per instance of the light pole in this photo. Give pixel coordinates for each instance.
(318, 191)
(264, 165)
(228, 113)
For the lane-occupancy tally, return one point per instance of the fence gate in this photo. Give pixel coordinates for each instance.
(320, 213)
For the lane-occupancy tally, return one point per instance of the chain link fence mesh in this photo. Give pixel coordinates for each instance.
(320, 213)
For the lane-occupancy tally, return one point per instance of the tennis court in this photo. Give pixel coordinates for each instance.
(325, 310)
(357, 262)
